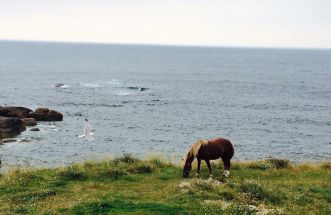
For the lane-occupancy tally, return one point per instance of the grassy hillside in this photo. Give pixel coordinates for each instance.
(128, 185)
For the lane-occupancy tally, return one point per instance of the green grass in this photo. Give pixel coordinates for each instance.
(129, 185)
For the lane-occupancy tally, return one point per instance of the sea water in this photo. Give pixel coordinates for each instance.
(158, 100)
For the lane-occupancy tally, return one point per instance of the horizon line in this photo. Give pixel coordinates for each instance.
(166, 45)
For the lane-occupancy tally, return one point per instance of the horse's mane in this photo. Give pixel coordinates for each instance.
(194, 149)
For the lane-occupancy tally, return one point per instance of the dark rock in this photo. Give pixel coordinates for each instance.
(53, 115)
(24, 141)
(138, 88)
(59, 85)
(7, 122)
(18, 112)
(34, 129)
(29, 122)
(14, 119)
(7, 141)
(44, 114)
(37, 116)
(41, 110)
(10, 127)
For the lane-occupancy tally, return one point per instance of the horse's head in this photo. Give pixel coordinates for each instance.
(188, 163)
(187, 168)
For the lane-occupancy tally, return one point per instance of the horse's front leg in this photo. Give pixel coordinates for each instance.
(198, 170)
(209, 167)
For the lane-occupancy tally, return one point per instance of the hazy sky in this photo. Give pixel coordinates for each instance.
(261, 23)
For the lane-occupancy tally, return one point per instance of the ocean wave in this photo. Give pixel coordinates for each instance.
(115, 82)
(122, 93)
(92, 85)
(90, 104)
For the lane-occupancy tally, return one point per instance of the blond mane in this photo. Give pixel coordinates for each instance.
(194, 149)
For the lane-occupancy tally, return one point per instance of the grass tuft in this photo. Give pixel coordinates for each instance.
(260, 165)
(257, 191)
(116, 173)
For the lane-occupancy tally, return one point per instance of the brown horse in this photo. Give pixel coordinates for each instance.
(209, 150)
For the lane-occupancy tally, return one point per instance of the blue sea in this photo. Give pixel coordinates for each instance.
(157, 100)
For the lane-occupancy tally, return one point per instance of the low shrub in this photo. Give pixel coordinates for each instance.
(278, 163)
(326, 166)
(141, 167)
(73, 173)
(116, 173)
(126, 158)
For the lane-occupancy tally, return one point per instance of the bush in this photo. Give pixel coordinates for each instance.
(145, 168)
(73, 173)
(126, 158)
(326, 166)
(141, 167)
(278, 163)
(116, 173)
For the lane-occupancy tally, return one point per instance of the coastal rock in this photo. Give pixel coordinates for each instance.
(7, 140)
(138, 88)
(41, 110)
(34, 129)
(29, 122)
(13, 120)
(44, 114)
(10, 127)
(18, 112)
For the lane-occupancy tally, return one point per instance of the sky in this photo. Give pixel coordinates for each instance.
(247, 23)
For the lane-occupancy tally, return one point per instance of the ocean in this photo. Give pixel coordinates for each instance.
(158, 100)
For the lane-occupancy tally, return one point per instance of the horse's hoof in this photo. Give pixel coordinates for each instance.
(226, 174)
(197, 175)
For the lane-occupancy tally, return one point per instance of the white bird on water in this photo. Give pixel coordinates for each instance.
(87, 131)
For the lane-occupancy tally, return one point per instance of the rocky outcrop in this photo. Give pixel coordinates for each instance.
(13, 120)
(29, 122)
(40, 114)
(44, 114)
(10, 127)
(18, 112)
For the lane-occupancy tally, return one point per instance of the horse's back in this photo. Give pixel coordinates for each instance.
(219, 147)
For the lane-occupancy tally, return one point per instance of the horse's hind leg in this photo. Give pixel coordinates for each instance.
(227, 164)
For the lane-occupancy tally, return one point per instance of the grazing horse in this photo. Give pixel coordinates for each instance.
(209, 150)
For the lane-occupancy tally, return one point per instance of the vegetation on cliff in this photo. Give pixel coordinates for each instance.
(129, 185)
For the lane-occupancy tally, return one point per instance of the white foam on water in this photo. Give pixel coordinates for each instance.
(122, 93)
(115, 82)
(92, 85)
